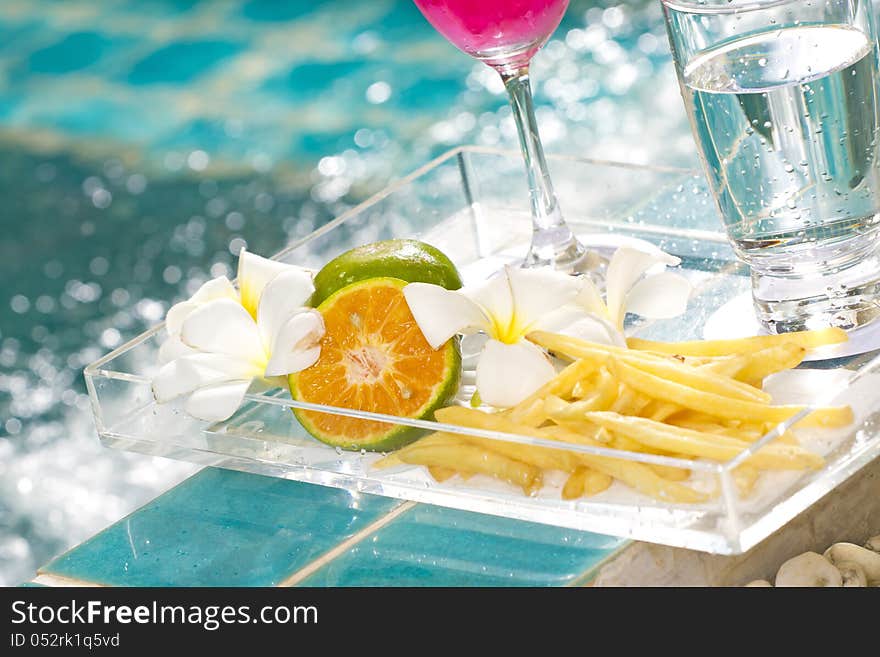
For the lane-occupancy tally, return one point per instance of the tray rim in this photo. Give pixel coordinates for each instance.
(722, 469)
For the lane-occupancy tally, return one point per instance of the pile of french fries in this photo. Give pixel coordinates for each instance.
(687, 400)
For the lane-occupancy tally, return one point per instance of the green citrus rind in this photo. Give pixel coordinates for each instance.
(409, 260)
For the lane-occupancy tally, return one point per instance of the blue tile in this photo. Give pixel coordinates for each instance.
(430, 92)
(222, 528)
(8, 103)
(181, 62)
(162, 7)
(274, 11)
(14, 36)
(435, 546)
(402, 22)
(316, 144)
(101, 117)
(310, 79)
(72, 53)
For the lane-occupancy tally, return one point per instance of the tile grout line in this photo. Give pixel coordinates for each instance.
(47, 579)
(351, 541)
(586, 577)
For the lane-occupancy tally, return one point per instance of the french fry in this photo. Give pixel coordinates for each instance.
(440, 474)
(532, 415)
(699, 378)
(574, 485)
(747, 432)
(628, 401)
(658, 410)
(670, 472)
(585, 481)
(545, 458)
(720, 448)
(686, 400)
(744, 477)
(724, 365)
(582, 389)
(600, 392)
(805, 339)
(586, 386)
(669, 369)
(769, 361)
(723, 407)
(617, 441)
(753, 368)
(558, 409)
(636, 475)
(394, 458)
(595, 482)
(475, 459)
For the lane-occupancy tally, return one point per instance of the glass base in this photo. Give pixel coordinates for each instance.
(846, 299)
(557, 246)
(567, 254)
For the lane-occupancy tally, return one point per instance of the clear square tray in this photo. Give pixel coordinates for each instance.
(472, 203)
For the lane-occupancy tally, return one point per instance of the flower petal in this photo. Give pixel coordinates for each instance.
(297, 345)
(283, 297)
(254, 273)
(216, 403)
(626, 267)
(189, 373)
(177, 313)
(223, 326)
(536, 292)
(494, 297)
(508, 373)
(174, 348)
(573, 320)
(441, 313)
(590, 299)
(216, 288)
(595, 329)
(660, 296)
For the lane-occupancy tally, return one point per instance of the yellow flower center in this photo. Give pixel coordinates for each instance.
(509, 333)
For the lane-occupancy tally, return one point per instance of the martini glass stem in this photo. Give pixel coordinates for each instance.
(553, 243)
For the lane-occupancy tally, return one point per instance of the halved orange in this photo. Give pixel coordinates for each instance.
(374, 358)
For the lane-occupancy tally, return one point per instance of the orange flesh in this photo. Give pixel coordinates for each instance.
(373, 358)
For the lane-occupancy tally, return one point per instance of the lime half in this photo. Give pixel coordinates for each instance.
(374, 358)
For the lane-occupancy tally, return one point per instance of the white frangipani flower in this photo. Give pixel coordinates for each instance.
(515, 302)
(216, 288)
(636, 283)
(224, 343)
(506, 307)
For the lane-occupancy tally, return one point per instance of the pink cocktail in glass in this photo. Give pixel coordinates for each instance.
(498, 32)
(505, 34)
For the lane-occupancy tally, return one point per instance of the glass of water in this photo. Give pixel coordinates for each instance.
(782, 96)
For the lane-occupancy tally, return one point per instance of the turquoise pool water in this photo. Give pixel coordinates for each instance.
(144, 142)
